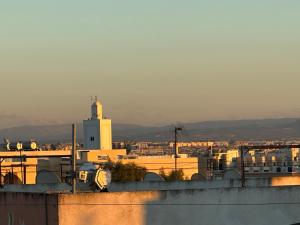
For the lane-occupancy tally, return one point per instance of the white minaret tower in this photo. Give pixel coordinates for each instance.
(97, 110)
(97, 130)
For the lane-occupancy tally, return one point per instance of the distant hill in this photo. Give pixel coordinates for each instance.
(212, 130)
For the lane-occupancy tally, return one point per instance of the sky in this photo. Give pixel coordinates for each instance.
(149, 62)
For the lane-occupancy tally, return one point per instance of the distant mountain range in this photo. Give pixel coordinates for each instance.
(287, 128)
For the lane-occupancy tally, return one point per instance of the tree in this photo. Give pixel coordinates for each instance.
(174, 175)
(127, 172)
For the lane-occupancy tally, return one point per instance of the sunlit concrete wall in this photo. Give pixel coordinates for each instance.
(232, 206)
(157, 185)
(32, 164)
(285, 181)
(219, 206)
(95, 155)
(25, 175)
(188, 165)
(152, 164)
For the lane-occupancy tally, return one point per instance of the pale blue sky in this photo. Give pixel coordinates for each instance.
(150, 62)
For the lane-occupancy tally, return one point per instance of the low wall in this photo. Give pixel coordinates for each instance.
(229, 206)
(157, 185)
(226, 206)
(206, 204)
(28, 209)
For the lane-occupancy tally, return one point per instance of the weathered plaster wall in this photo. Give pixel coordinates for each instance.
(171, 203)
(285, 181)
(229, 206)
(104, 208)
(28, 209)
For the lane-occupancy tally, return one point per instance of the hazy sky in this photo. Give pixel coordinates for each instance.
(150, 62)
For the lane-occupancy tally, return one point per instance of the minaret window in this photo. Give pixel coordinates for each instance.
(92, 138)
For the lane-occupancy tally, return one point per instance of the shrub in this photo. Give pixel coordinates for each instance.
(174, 175)
(127, 172)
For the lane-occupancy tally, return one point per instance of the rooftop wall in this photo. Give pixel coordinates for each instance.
(156, 186)
(220, 206)
(28, 209)
(229, 206)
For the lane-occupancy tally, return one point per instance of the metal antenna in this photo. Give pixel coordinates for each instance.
(74, 155)
(176, 129)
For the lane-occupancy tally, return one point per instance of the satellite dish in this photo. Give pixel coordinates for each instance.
(102, 178)
(86, 172)
(232, 174)
(47, 177)
(150, 177)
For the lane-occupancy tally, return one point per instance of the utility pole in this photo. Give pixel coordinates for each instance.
(21, 166)
(243, 178)
(176, 129)
(74, 154)
(1, 185)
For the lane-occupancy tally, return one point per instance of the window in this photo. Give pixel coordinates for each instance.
(92, 138)
(103, 157)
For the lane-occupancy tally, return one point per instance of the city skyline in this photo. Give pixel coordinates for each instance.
(149, 63)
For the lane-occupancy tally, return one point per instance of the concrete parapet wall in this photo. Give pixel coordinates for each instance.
(157, 186)
(190, 203)
(228, 206)
(28, 209)
(220, 206)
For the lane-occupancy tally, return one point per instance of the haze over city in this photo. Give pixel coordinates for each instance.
(150, 112)
(149, 62)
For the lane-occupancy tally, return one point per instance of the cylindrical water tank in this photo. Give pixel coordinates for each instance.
(16, 146)
(30, 145)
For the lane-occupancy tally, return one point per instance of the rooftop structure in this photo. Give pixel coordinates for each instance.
(97, 129)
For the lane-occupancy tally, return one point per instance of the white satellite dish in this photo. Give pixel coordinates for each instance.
(151, 177)
(102, 178)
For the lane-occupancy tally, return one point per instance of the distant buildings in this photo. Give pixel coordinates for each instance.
(257, 163)
(204, 159)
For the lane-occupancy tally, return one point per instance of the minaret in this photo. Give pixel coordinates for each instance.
(97, 110)
(97, 130)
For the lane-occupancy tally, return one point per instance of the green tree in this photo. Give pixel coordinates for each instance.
(127, 172)
(174, 175)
